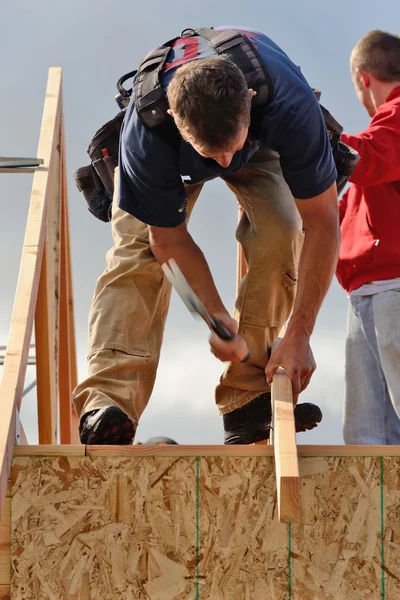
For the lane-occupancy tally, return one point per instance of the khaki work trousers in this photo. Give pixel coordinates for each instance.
(131, 298)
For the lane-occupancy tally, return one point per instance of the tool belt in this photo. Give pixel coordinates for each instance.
(345, 158)
(96, 180)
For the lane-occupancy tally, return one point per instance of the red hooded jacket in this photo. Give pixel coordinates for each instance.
(370, 208)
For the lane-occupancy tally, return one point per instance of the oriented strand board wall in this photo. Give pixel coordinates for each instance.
(171, 528)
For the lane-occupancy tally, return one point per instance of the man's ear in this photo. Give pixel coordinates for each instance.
(364, 78)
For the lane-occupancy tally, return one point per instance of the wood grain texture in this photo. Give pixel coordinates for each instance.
(103, 528)
(285, 449)
(45, 375)
(202, 450)
(243, 547)
(50, 450)
(391, 547)
(47, 307)
(67, 352)
(337, 544)
(175, 528)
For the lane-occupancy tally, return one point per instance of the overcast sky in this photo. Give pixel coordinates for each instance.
(95, 41)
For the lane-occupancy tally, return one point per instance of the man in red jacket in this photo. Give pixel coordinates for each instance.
(369, 261)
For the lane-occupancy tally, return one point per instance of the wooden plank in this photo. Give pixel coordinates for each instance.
(71, 319)
(13, 375)
(239, 450)
(5, 543)
(350, 451)
(303, 451)
(285, 449)
(283, 437)
(50, 450)
(47, 314)
(53, 282)
(45, 379)
(183, 450)
(69, 433)
(64, 379)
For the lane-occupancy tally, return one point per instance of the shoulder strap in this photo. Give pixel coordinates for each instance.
(150, 98)
(242, 52)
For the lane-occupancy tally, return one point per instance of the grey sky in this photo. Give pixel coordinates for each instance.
(97, 41)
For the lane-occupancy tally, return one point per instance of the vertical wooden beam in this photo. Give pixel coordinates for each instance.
(283, 437)
(47, 350)
(45, 379)
(67, 356)
(53, 268)
(16, 358)
(72, 341)
(64, 380)
(285, 449)
(47, 311)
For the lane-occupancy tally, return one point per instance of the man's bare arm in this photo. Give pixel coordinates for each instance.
(177, 243)
(318, 258)
(316, 269)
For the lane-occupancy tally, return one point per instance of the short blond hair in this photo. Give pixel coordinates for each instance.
(378, 53)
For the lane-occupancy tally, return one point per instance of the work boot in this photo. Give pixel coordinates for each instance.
(252, 422)
(106, 426)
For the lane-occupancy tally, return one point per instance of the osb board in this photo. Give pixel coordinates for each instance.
(5, 545)
(175, 528)
(336, 548)
(243, 547)
(5, 592)
(103, 528)
(391, 474)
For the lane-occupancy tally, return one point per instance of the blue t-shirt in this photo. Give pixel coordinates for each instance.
(153, 173)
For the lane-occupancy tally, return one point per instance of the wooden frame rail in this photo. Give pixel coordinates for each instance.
(43, 299)
(308, 451)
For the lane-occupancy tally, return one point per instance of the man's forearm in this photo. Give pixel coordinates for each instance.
(316, 269)
(194, 266)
